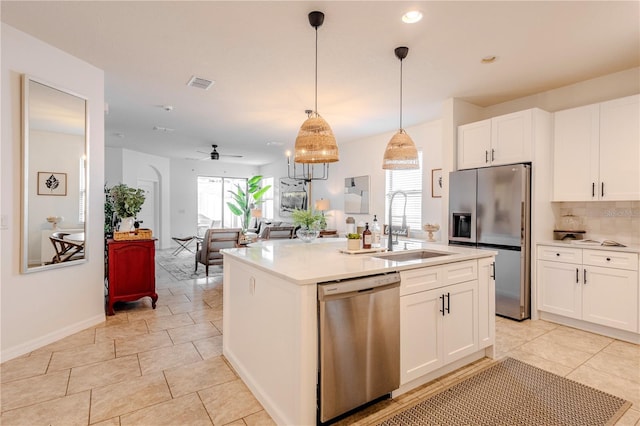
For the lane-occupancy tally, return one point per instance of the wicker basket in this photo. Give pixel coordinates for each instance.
(140, 234)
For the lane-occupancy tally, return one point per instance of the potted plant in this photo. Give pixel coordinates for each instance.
(353, 241)
(309, 222)
(243, 202)
(127, 203)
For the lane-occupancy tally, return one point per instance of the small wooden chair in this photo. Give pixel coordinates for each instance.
(66, 250)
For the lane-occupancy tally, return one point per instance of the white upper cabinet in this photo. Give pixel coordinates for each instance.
(505, 139)
(597, 152)
(474, 144)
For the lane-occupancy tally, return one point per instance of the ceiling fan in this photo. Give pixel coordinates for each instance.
(214, 155)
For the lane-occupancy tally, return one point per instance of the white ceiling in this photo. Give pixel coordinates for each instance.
(261, 56)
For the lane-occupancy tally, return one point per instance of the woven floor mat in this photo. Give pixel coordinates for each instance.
(514, 393)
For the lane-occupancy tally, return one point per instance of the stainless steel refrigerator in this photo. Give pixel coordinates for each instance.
(489, 208)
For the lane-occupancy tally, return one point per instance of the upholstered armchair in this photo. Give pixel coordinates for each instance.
(214, 240)
(274, 232)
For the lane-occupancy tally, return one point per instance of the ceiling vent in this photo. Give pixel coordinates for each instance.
(200, 83)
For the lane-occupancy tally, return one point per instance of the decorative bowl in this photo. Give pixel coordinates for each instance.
(307, 235)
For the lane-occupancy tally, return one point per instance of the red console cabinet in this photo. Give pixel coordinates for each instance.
(132, 272)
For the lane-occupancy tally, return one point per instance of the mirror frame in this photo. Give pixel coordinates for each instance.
(28, 181)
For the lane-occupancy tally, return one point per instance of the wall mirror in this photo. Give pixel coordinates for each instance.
(356, 195)
(54, 176)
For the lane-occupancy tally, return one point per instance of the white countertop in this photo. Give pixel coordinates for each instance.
(321, 260)
(559, 243)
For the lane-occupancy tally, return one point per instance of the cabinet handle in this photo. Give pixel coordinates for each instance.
(577, 276)
(442, 310)
(493, 270)
(486, 156)
(608, 259)
(585, 276)
(602, 190)
(557, 254)
(593, 189)
(448, 303)
(493, 155)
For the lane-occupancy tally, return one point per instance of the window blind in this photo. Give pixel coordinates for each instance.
(409, 182)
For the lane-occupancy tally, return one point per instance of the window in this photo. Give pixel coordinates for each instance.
(407, 211)
(267, 205)
(213, 194)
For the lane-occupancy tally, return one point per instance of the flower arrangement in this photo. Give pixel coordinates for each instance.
(127, 201)
(306, 218)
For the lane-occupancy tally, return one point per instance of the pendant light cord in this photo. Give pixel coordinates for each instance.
(400, 94)
(316, 94)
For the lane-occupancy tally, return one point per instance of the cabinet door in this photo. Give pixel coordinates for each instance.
(420, 334)
(486, 302)
(474, 144)
(460, 326)
(620, 149)
(575, 154)
(610, 297)
(560, 288)
(131, 269)
(511, 138)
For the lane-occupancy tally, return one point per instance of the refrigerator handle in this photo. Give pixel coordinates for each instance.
(522, 223)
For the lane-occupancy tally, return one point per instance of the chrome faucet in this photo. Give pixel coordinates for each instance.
(404, 217)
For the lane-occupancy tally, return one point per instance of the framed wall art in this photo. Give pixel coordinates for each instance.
(436, 183)
(293, 195)
(356, 195)
(52, 183)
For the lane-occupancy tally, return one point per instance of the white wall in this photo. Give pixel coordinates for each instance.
(128, 167)
(41, 307)
(363, 157)
(54, 152)
(600, 89)
(183, 186)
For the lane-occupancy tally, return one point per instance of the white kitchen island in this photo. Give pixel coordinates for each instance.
(270, 321)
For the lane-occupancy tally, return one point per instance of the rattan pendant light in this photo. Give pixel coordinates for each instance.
(401, 152)
(315, 142)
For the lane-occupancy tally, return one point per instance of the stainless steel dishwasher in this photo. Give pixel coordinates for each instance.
(359, 332)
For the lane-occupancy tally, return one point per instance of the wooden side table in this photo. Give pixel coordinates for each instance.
(131, 272)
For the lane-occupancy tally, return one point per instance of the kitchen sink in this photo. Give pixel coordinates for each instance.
(411, 255)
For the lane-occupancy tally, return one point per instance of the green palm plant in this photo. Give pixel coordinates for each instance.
(244, 201)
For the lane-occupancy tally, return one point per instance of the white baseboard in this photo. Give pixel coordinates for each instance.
(614, 333)
(39, 342)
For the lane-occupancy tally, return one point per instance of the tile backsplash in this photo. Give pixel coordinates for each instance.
(603, 220)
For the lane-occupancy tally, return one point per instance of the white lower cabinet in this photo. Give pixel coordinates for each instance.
(442, 324)
(581, 289)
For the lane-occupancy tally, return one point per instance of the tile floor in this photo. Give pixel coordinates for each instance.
(165, 367)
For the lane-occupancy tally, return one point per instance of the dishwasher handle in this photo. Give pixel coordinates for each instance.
(347, 288)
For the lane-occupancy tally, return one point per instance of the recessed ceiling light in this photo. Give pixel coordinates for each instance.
(412, 16)
(488, 59)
